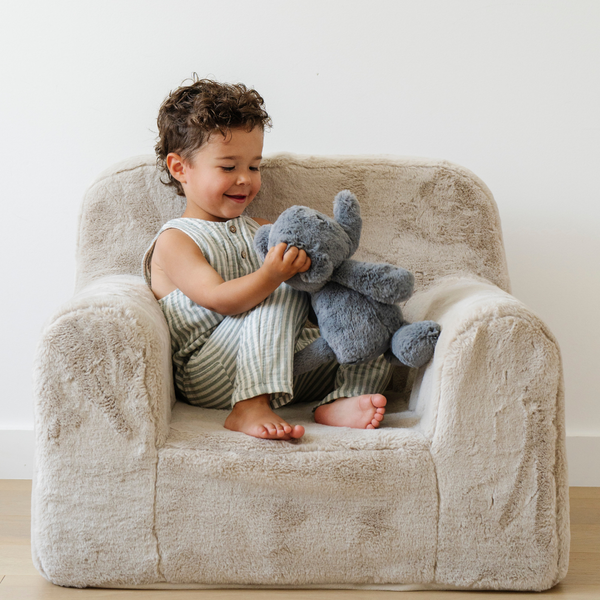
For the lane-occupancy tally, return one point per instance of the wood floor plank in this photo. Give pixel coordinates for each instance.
(15, 499)
(26, 588)
(16, 560)
(584, 569)
(15, 530)
(585, 511)
(585, 538)
(584, 492)
(12, 485)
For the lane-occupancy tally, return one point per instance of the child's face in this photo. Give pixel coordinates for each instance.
(223, 176)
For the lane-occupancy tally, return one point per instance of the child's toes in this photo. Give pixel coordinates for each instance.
(379, 401)
(261, 431)
(378, 416)
(297, 431)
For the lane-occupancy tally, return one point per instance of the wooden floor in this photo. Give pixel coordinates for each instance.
(20, 581)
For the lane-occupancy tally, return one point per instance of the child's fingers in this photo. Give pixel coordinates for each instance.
(278, 251)
(300, 259)
(306, 266)
(291, 255)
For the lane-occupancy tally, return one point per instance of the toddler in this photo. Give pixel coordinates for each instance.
(234, 323)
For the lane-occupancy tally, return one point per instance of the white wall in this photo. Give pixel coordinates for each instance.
(508, 89)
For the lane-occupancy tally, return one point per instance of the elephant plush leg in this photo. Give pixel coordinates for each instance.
(312, 356)
(413, 344)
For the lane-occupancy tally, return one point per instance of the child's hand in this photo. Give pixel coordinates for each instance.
(280, 265)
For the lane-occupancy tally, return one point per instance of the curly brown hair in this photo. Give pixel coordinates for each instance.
(191, 113)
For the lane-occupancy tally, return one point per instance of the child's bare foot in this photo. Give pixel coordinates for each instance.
(360, 412)
(256, 418)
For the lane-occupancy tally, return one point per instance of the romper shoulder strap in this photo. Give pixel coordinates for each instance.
(183, 225)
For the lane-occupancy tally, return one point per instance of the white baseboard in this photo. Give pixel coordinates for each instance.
(583, 455)
(16, 454)
(583, 458)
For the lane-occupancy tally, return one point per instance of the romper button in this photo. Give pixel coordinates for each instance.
(232, 229)
(243, 254)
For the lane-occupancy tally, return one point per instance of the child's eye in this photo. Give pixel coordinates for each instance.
(254, 168)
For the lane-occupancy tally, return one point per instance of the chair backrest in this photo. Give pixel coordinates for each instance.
(431, 217)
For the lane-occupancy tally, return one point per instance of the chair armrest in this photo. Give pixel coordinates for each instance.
(103, 397)
(491, 403)
(112, 344)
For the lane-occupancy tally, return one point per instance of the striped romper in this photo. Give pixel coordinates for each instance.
(220, 360)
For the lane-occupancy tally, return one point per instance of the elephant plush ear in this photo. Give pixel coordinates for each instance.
(261, 241)
(346, 211)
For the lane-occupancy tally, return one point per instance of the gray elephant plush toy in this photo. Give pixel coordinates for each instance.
(354, 302)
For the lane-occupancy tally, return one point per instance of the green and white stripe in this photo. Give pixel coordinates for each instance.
(221, 360)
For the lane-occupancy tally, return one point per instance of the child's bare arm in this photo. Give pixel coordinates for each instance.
(184, 264)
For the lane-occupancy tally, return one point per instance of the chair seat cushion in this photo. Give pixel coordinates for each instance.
(339, 505)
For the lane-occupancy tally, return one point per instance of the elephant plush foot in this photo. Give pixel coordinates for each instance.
(413, 344)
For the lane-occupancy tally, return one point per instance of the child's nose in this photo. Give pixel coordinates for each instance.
(243, 178)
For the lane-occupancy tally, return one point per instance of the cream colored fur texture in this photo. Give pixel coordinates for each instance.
(462, 487)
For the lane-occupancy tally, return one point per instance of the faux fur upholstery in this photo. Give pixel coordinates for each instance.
(462, 487)
(430, 217)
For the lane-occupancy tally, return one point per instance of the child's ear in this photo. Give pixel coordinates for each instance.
(261, 241)
(176, 166)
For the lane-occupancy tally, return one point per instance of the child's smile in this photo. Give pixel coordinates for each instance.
(237, 198)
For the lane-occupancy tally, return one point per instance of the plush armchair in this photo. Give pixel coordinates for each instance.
(462, 487)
